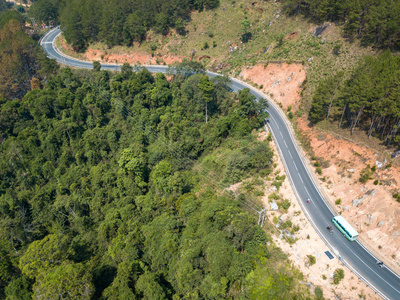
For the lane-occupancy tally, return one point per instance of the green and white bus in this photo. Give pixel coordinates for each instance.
(349, 232)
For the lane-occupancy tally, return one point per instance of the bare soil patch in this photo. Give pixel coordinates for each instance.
(120, 56)
(282, 81)
(376, 216)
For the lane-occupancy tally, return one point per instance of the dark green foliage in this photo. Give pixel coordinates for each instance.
(4, 5)
(45, 10)
(338, 275)
(19, 288)
(96, 66)
(100, 190)
(324, 96)
(375, 22)
(21, 60)
(368, 100)
(116, 22)
(311, 260)
(8, 15)
(319, 293)
(396, 196)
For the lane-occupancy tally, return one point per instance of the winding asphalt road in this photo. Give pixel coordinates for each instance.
(353, 254)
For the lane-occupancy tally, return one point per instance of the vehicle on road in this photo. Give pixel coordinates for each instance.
(349, 232)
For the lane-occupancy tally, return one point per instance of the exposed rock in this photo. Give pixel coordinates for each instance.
(346, 207)
(356, 202)
(380, 223)
(319, 30)
(274, 206)
(396, 154)
(350, 170)
(276, 83)
(380, 164)
(371, 219)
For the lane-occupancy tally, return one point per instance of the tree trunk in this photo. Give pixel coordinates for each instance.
(384, 128)
(379, 123)
(370, 128)
(394, 132)
(329, 108)
(359, 115)
(341, 118)
(357, 119)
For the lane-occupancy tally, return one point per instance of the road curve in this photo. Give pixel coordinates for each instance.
(353, 254)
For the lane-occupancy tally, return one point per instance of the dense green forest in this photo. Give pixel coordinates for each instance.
(373, 21)
(23, 64)
(4, 5)
(369, 99)
(116, 22)
(103, 194)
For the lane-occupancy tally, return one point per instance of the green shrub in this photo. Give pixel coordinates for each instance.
(290, 115)
(376, 182)
(338, 276)
(338, 201)
(273, 196)
(311, 259)
(319, 170)
(365, 175)
(316, 164)
(373, 169)
(286, 204)
(396, 196)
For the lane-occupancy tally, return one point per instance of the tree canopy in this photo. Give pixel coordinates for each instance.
(101, 197)
(374, 22)
(369, 99)
(115, 22)
(21, 61)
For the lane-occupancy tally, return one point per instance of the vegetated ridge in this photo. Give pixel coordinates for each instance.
(99, 196)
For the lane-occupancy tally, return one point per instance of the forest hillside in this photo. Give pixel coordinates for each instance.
(98, 187)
